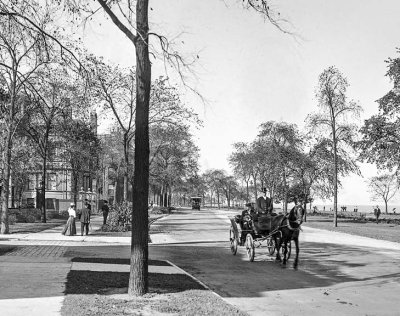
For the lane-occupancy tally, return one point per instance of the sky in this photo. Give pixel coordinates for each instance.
(249, 72)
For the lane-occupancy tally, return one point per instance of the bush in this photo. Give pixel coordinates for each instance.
(61, 215)
(22, 214)
(162, 210)
(12, 219)
(30, 218)
(119, 217)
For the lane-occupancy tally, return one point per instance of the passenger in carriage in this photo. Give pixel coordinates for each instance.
(264, 204)
(264, 210)
(245, 221)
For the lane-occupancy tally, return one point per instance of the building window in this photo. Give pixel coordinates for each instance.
(50, 204)
(51, 181)
(30, 202)
(32, 182)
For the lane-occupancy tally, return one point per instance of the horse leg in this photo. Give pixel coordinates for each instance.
(278, 243)
(296, 259)
(285, 251)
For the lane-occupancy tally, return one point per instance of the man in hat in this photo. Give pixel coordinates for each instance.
(105, 211)
(264, 203)
(85, 219)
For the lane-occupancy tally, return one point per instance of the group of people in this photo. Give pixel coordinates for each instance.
(377, 213)
(83, 217)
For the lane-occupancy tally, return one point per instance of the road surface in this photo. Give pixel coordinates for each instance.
(338, 274)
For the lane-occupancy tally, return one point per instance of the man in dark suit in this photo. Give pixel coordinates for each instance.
(85, 218)
(105, 210)
(264, 203)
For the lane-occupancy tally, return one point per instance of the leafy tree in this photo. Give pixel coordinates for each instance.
(332, 118)
(283, 142)
(115, 88)
(242, 163)
(22, 54)
(212, 179)
(380, 142)
(174, 157)
(383, 187)
(81, 150)
(57, 96)
(28, 39)
(22, 163)
(229, 187)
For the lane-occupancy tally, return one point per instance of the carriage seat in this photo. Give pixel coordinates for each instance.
(263, 224)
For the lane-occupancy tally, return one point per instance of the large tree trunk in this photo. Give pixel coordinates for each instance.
(74, 176)
(335, 178)
(6, 183)
(126, 170)
(138, 280)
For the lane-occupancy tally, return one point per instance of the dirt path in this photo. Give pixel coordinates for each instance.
(338, 274)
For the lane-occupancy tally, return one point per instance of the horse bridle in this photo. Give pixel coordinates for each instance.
(297, 220)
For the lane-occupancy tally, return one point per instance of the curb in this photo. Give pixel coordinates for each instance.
(193, 277)
(203, 284)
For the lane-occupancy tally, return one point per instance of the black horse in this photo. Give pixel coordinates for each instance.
(287, 228)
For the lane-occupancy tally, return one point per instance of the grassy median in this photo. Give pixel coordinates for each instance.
(105, 293)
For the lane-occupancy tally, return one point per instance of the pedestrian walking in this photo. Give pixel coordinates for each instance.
(85, 219)
(70, 227)
(377, 213)
(105, 210)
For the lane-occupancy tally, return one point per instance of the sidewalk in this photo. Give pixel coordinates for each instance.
(54, 234)
(35, 274)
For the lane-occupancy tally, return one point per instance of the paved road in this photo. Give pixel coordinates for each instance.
(338, 274)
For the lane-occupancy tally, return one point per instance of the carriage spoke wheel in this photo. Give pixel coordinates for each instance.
(270, 245)
(233, 241)
(250, 247)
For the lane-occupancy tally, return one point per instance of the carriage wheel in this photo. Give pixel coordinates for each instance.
(271, 245)
(234, 242)
(250, 247)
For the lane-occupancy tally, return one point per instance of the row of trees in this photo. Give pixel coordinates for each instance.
(44, 79)
(41, 90)
(311, 163)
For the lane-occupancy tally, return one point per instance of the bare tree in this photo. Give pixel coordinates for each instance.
(21, 55)
(383, 187)
(27, 40)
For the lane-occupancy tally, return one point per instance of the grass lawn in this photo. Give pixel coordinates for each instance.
(382, 231)
(25, 228)
(105, 293)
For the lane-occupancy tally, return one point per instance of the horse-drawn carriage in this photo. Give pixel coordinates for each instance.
(196, 201)
(251, 229)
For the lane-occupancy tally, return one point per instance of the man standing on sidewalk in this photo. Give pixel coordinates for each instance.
(85, 218)
(105, 210)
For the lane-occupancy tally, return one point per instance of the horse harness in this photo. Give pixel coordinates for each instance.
(288, 225)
